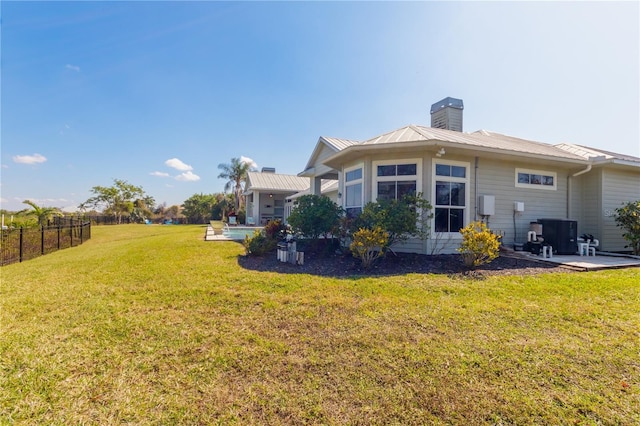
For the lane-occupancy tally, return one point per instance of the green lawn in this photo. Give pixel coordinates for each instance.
(153, 325)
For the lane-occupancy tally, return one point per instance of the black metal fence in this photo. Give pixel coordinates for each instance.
(20, 244)
(107, 219)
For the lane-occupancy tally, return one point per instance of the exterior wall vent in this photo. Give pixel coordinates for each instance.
(447, 114)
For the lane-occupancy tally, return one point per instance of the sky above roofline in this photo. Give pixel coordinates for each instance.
(160, 93)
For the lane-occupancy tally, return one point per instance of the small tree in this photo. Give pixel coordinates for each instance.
(628, 218)
(199, 207)
(315, 216)
(367, 245)
(479, 245)
(118, 199)
(236, 175)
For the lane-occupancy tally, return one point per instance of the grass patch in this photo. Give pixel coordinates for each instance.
(152, 325)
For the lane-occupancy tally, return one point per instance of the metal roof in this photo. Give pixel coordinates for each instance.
(276, 182)
(326, 186)
(334, 144)
(478, 140)
(592, 153)
(339, 144)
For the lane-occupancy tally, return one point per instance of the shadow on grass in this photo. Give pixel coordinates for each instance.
(346, 266)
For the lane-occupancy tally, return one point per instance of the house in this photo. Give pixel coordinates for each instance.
(266, 192)
(271, 195)
(507, 181)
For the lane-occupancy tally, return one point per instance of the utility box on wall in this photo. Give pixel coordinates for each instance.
(487, 205)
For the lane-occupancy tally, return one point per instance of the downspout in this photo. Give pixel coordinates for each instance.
(475, 179)
(569, 186)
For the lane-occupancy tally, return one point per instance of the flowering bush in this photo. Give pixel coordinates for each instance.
(479, 245)
(367, 244)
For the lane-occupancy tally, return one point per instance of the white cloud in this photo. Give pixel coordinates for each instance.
(70, 209)
(187, 176)
(249, 161)
(29, 159)
(178, 165)
(160, 174)
(72, 67)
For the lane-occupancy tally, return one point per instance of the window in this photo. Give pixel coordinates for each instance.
(393, 180)
(278, 210)
(450, 195)
(536, 179)
(353, 191)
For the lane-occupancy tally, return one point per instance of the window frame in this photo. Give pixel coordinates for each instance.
(353, 182)
(542, 173)
(395, 178)
(467, 194)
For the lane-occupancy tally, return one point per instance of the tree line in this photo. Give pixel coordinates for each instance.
(125, 200)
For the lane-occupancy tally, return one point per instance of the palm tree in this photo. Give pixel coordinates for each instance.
(236, 175)
(42, 213)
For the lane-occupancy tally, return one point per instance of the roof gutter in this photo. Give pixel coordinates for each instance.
(581, 172)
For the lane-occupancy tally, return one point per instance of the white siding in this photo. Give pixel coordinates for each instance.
(618, 187)
(587, 203)
(497, 178)
(321, 169)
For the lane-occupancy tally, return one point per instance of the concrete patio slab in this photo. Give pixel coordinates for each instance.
(592, 263)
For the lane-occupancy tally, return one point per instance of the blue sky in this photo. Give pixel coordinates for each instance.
(160, 93)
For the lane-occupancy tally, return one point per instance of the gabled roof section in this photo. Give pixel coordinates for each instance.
(335, 144)
(275, 182)
(338, 144)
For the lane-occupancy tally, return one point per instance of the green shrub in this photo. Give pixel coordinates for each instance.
(367, 244)
(479, 245)
(265, 241)
(401, 219)
(259, 244)
(628, 218)
(315, 216)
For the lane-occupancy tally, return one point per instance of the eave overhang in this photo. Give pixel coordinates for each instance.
(357, 151)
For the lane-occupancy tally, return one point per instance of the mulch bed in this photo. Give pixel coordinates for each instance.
(345, 265)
